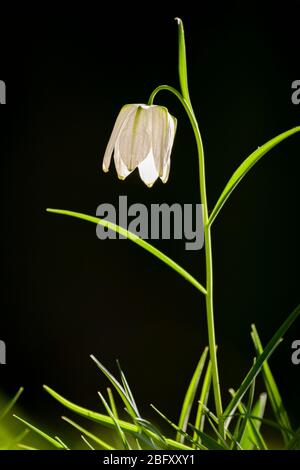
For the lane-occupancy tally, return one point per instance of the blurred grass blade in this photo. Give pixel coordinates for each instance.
(245, 167)
(294, 443)
(129, 405)
(89, 434)
(139, 241)
(45, 436)
(15, 442)
(116, 423)
(11, 403)
(200, 416)
(256, 368)
(62, 443)
(272, 389)
(190, 396)
(26, 447)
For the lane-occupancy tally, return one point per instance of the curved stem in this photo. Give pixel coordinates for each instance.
(208, 250)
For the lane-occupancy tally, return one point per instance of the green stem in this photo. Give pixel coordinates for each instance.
(208, 250)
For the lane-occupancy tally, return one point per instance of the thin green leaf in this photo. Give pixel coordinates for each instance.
(126, 399)
(272, 389)
(207, 440)
(294, 443)
(252, 432)
(26, 447)
(139, 447)
(200, 417)
(190, 396)
(87, 443)
(116, 423)
(128, 390)
(146, 425)
(112, 402)
(107, 421)
(249, 407)
(62, 443)
(245, 167)
(89, 434)
(139, 241)
(176, 427)
(40, 433)
(11, 403)
(15, 441)
(182, 66)
(256, 368)
(212, 418)
(241, 427)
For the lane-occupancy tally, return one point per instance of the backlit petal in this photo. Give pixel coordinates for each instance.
(148, 171)
(122, 118)
(160, 126)
(135, 138)
(121, 168)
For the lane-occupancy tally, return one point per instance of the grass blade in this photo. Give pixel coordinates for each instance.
(272, 390)
(116, 423)
(128, 390)
(87, 443)
(38, 431)
(256, 368)
(200, 417)
(89, 434)
(252, 433)
(208, 441)
(131, 407)
(241, 426)
(112, 402)
(139, 241)
(11, 403)
(176, 427)
(62, 443)
(107, 420)
(190, 396)
(243, 169)
(294, 443)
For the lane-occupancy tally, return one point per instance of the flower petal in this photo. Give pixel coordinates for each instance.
(166, 172)
(135, 138)
(122, 118)
(160, 130)
(148, 171)
(121, 168)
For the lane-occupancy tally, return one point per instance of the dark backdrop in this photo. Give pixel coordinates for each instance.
(64, 293)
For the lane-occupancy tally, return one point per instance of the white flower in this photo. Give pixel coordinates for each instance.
(142, 138)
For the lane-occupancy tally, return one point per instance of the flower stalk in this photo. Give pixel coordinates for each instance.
(184, 98)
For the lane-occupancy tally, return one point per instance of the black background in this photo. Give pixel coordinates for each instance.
(64, 293)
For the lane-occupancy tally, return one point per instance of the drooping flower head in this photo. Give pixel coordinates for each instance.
(142, 138)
